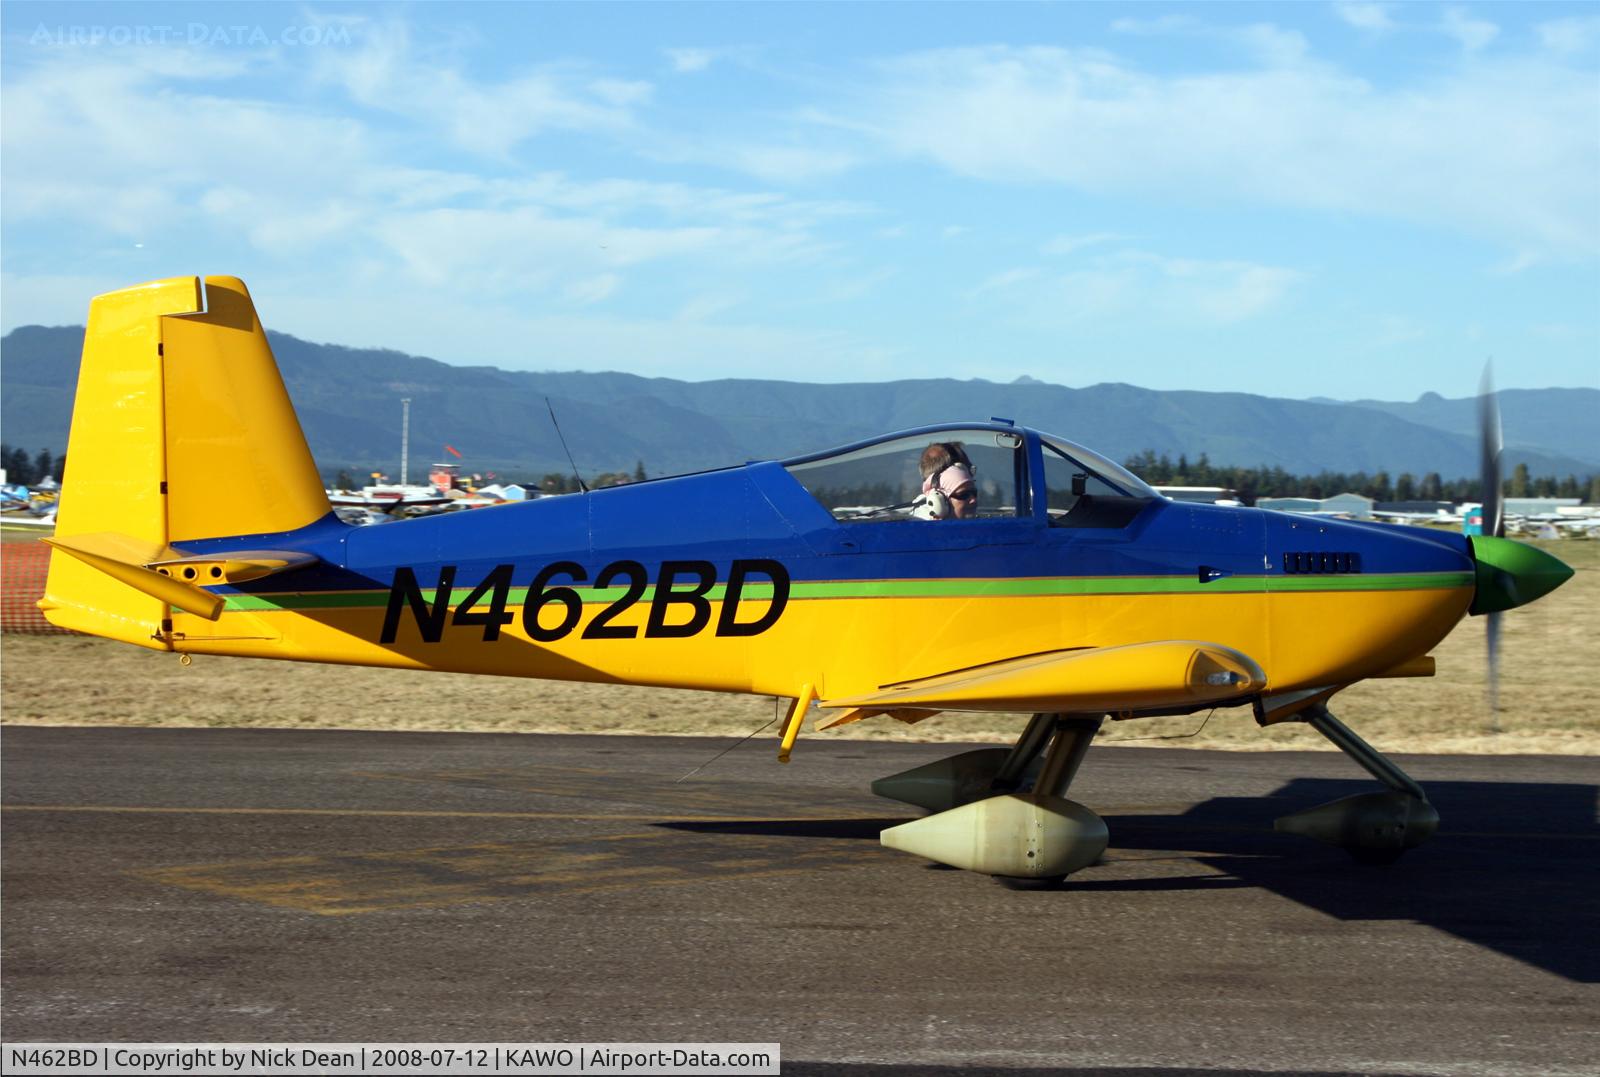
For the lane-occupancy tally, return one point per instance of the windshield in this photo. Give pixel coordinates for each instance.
(1115, 475)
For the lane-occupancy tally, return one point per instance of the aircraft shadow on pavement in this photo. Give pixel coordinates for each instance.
(1513, 867)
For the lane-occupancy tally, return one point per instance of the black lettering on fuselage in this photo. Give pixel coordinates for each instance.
(684, 584)
(601, 627)
(541, 594)
(406, 592)
(668, 595)
(499, 583)
(727, 625)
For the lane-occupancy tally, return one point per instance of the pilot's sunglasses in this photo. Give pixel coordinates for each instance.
(964, 495)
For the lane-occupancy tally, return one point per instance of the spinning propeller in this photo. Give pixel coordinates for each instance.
(1494, 522)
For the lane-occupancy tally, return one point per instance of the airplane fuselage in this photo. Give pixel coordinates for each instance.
(739, 580)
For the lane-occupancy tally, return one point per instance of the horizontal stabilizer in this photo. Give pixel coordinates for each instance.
(172, 576)
(124, 558)
(1136, 676)
(233, 567)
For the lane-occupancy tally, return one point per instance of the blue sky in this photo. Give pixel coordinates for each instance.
(1346, 199)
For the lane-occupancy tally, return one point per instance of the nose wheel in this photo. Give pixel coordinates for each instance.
(1374, 828)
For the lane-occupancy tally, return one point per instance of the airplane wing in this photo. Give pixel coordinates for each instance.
(1135, 676)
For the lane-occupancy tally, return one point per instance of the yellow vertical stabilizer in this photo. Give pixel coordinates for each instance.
(181, 430)
(237, 462)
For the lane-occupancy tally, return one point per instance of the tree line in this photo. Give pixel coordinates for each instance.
(1161, 469)
(1252, 483)
(557, 482)
(29, 470)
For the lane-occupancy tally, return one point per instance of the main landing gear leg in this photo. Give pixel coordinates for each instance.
(1375, 828)
(984, 824)
(1020, 765)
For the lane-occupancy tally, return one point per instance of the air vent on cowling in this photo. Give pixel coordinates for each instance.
(1321, 562)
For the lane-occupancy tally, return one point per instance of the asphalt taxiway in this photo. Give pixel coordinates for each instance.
(248, 885)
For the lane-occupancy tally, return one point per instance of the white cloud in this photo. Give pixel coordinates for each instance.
(1003, 281)
(621, 92)
(57, 298)
(289, 234)
(347, 200)
(1162, 25)
(389, 73)
(619, 199)
(136, 148)
(593, 289)
(348, 231)
(1517, 263)
(787, 164)
(119, 147)
(1274, 45)
(1244, 292)
(526, 250)
(1271, 44)
(1472, 33)
(1569, 37)
(704, 307)
(1503, 149)
(516, 337)
(847, 288)
(795, 157)
(1216, 292)
(690, 60)
(1117, 285)
(1373, 18)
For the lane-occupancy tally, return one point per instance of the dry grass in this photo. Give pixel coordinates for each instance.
(1550, 651)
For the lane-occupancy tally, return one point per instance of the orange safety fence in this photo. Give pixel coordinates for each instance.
(23, 567)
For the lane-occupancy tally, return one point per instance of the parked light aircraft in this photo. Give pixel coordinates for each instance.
(195, 522)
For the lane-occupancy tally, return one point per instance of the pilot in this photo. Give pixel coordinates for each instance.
(949, 488)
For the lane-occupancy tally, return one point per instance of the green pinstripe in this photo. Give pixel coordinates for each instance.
(968, 588)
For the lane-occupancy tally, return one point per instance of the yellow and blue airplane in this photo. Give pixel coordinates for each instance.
(195, 521)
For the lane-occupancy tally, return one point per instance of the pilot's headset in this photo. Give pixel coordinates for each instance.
(933, 503)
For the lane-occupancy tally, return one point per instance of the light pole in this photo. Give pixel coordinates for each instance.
(405, 439)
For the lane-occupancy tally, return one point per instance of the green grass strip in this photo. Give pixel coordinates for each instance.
(967, 588)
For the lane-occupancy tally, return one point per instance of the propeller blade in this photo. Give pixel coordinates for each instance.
(1494, 523)
(1493, 682)
(1489, 446)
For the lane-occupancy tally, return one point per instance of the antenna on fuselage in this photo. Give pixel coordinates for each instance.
(581, 484)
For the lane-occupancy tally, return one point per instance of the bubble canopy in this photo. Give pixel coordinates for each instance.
(880, 478)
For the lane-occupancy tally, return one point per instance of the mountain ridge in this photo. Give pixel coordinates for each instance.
(348, 400)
